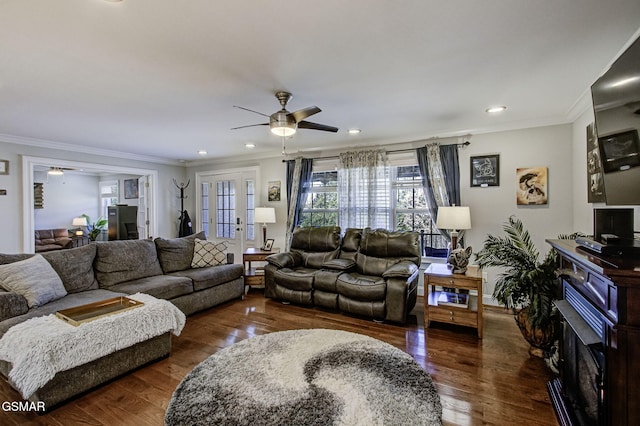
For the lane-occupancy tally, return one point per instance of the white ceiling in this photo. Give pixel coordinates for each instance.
(159, 78)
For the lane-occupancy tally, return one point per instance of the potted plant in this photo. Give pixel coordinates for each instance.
(527, 286)
(95, 228)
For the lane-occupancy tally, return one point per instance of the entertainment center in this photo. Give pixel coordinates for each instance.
(599, 380)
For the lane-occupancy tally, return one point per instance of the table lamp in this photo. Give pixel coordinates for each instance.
(264, 215)
(454, 218)
(79, 222)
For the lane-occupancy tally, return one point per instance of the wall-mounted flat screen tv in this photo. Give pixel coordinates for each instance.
(616, 106)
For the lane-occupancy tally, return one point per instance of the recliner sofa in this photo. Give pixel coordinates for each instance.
(367, 272)
(52, 239)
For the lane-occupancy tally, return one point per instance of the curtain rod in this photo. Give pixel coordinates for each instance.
(331, 157)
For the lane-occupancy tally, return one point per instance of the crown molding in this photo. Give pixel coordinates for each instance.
(44, 143)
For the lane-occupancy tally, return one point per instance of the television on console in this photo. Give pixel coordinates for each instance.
(616, 106)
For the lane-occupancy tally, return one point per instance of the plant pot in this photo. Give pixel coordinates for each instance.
(540, 339)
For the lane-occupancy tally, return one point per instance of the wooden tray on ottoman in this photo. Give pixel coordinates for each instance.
(93, 311)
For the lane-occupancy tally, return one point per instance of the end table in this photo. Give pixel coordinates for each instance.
(254, 276)
(438, 274)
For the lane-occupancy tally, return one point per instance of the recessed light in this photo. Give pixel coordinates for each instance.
(202, 152)
(354, 131)
(249, 145)
(496, 109)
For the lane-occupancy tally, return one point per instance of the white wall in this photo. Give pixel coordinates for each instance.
(491, 207)
(66, 197)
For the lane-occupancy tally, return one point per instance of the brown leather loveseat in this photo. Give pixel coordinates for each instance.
(367, 272)
(52, 239)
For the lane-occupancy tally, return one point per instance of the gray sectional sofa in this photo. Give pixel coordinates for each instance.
(102, 270)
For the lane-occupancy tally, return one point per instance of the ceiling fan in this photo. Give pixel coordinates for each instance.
(285, 123)
(58, 171)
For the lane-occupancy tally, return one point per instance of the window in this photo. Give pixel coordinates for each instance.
(251, 228)
(321, 206)
(408, 210)
(108, 196)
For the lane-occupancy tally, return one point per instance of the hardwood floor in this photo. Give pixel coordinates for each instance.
(492, 381)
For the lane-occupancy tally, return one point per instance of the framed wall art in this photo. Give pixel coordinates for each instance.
(273, 189)
(130, 188)
(531, 185)
(4, 167)
(595, 179)
(485, 170)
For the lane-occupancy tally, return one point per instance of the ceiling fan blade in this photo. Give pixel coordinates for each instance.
(316, 126)
(250, 110)
(301, 114)
(250, 125)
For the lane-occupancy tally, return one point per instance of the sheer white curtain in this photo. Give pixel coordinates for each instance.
(363, 188)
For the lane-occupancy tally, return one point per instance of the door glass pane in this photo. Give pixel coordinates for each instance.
(205, 208)
(249, 222)
(225, 214)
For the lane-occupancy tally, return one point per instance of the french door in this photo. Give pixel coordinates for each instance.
(227, 205)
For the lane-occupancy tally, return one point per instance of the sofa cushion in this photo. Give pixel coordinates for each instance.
(212, 276)
(380, 249)
(323, 239)
(350, 243)
(299, 279)
(208, 253)
(12, 304)
(176, 254)
(161, 286)
(361, 287)
(69, 301)
(75, 267)
(125, 260)
(10, 258)
(33, 278)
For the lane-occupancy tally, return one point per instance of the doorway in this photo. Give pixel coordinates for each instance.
(29, 165)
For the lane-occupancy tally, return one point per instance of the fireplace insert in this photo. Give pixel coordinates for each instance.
(583, 361)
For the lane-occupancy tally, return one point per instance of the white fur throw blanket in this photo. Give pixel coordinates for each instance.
(40, 347)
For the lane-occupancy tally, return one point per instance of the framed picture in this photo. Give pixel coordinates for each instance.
(4, 167)
(595, 179)
(531, 185)
(274, 190)
(130, 188)
(485, 170)
(268, 245)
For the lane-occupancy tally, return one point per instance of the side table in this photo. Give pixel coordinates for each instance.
(438, 274)
(254, 276)
(79, 240)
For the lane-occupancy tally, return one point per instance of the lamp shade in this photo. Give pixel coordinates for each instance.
(454, 217)
(264, 215)
(79, 221)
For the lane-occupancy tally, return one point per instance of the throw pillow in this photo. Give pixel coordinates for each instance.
(75, 267)
(34, 279)
(208, 253)
(176, 254)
